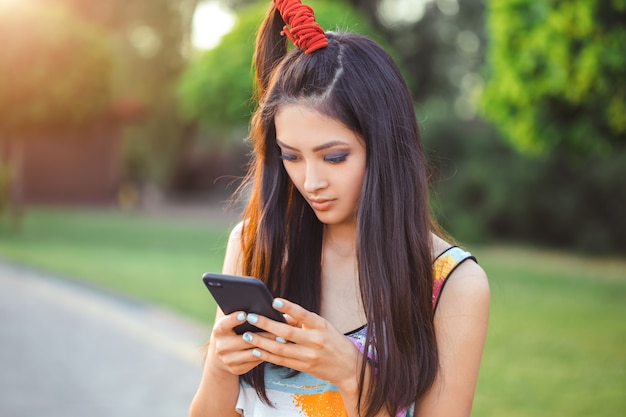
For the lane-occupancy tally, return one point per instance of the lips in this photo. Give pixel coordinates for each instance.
(320, 204)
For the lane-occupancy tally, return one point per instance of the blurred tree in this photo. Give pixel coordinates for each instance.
(55, 75)
(441, 45)
(557, 72)
(155, 46)
(216, 89)
(486, 191)
(152, 44)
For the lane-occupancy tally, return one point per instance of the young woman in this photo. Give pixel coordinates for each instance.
(338, 227)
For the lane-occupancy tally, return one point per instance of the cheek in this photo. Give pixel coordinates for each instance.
(358, 177)
(353, 182)
(294, 175)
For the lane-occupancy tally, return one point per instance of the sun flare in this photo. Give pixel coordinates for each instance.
(211, 21)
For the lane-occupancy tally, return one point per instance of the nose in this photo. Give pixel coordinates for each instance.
(315, 179)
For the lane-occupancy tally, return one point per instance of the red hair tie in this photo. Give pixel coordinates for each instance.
(305, 32)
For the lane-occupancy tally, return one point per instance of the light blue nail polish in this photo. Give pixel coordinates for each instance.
(247, 337)
(241, 316)
(280, 339)
(256, 353)
(277, 304)
(253, 318)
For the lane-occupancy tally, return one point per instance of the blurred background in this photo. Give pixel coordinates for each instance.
(123, 129)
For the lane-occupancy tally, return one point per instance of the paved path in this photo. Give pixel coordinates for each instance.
(68, 350)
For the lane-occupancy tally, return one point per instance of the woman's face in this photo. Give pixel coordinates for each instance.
(325, 161)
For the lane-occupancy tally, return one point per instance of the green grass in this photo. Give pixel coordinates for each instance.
(557, 334)
(157, 259)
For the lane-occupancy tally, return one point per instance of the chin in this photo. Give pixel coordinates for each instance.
(332, 220)
(326, 217)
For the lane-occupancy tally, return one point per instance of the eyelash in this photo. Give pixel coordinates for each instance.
(331, 159)
(288, 157)
(336, 158)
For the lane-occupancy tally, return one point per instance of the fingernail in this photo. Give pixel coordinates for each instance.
(241, 316)
(280, 339)
(256, 352)
(277, 304)
(247, 337)
(253, 318)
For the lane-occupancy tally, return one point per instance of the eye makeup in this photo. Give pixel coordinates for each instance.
(287, 157)
(336, 157)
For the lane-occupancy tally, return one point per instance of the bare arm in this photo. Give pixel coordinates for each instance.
(217, 393)
(461, 327)
(226, 357)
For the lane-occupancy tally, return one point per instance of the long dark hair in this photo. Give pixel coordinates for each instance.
(354, 81)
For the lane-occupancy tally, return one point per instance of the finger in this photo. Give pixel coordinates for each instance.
(275, 330)
(264, 340)
(288, 360)
(301, 315)
(291, 321)
(275, 348)
(261, 322)
(227, 323)
(241, 361)
(282, 330)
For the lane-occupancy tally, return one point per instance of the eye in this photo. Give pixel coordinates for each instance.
(335, 158)
(288, 157)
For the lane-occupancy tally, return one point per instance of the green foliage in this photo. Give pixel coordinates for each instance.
(557, 71)
(485, 192)
(55, 68)
(216, 89)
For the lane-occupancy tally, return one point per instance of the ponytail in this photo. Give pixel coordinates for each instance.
(271, 48)
(290, 19)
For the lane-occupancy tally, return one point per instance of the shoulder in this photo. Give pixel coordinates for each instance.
(467, 282)
(235, 233)
(234, 251)
(467, 291)
(470, 277)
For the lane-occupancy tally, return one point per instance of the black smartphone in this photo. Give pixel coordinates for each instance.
(239, 293)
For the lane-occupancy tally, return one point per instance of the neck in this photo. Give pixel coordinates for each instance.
(340, 239)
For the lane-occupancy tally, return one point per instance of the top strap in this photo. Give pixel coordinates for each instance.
(444, 265)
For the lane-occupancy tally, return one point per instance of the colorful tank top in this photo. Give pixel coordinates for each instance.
(304, 395)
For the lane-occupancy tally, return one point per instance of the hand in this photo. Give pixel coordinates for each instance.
(308, 343)
(234, 354)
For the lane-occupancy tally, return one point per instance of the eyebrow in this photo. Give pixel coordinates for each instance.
(321, 147)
